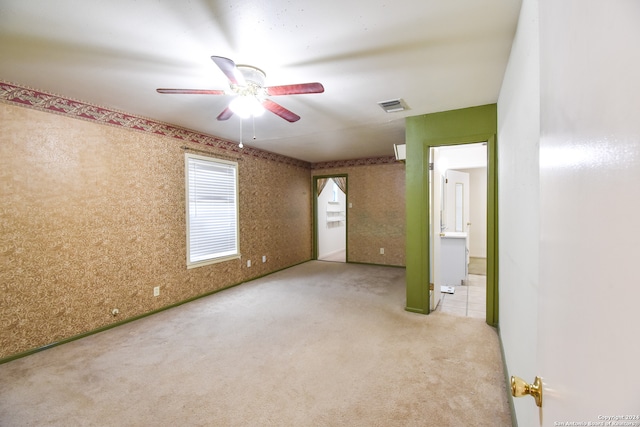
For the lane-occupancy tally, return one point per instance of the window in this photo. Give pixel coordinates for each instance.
(212, 210)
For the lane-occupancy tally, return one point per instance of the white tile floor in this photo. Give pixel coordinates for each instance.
(468, 300)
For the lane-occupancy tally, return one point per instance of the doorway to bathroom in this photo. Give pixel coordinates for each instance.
(458, 224)
(330, 218)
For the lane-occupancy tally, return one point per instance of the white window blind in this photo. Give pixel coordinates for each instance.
(212, 210)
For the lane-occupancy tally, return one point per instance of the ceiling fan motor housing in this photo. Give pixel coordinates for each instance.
(254, 81)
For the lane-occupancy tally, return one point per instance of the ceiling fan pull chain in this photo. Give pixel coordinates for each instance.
(240, 145)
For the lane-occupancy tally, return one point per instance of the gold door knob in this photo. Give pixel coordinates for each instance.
(520, 387)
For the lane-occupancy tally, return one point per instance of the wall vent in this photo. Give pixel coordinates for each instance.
(393, 105)
(401, 151)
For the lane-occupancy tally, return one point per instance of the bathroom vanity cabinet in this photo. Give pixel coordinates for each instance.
(453, 258)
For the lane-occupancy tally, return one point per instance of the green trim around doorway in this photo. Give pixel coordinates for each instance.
(315, 213)
(465, 126)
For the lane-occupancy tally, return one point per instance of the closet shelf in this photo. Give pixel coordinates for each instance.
(335, 218)
(335, 212)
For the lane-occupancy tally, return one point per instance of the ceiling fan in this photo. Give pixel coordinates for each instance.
(247, 82)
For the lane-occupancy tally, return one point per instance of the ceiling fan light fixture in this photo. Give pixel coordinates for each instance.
(246, 106)
(247, 83)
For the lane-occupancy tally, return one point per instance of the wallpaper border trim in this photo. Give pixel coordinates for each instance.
(38, 100)
(43, 101)
(387, 160)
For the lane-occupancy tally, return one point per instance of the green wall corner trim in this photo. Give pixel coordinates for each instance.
(464, 126)
(131, 319)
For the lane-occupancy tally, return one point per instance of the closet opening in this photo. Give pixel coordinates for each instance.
(330, 218)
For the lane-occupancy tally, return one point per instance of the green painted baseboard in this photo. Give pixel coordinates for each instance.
(415, 310)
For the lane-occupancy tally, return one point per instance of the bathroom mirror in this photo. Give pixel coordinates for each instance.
(443, 191)
(459, 206)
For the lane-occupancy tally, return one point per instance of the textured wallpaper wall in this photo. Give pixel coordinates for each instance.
(376, 191)
(92, 218)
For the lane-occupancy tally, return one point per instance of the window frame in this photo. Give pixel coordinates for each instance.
(215, 258)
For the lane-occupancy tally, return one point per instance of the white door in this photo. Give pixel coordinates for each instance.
(436, 178)
(588, 295)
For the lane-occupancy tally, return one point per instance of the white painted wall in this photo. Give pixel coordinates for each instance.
(518, 200)
(332, 237)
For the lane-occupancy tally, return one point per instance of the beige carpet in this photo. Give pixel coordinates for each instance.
(319, 344)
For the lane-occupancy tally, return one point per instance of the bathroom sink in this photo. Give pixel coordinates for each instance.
(453, 235)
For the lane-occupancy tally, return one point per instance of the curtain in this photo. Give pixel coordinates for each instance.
(322, 182)
(341, 181)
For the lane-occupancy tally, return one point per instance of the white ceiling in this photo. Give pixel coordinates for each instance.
(436, 55)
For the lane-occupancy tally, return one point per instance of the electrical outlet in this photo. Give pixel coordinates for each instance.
(156, 291)
(381, 251)
(264, 258)
(248, 263)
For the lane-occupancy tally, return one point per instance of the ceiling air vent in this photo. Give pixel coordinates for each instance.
(393, 105)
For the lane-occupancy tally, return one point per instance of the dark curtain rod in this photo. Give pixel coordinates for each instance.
(184, 147)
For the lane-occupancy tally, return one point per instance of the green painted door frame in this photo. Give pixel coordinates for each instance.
(465, 126)
(315, 213)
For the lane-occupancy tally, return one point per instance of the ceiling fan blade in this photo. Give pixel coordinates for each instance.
(192, 91)
(228, 67)
(279, 110)
(295, 89)
(226, 114)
